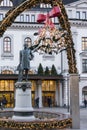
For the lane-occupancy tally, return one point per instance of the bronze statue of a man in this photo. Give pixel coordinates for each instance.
(24, 65)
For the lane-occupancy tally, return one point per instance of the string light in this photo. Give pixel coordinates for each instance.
(51, 40)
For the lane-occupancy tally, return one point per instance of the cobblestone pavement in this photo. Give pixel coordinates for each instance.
(83, 115)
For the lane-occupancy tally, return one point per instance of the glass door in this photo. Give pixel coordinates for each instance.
(48, 97)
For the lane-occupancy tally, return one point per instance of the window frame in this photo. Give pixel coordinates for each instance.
(70, 13)
(7, 54)
(84, 65)
(21, 17)
(77, 14)
(84, 43)
(7, 45)
(83, 15)
(27, 18)
(1, 16)
(32, 18)
(6, 3)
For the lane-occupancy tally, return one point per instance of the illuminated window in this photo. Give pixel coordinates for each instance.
(7, 45)
(84, 65)
(48, 90)
(6, 3)
(6, 85)
(48, 86)
(28, 41)
(84, 43)
(6, 72)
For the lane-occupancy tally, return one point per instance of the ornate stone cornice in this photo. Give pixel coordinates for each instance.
(78, 23)
(25, 25)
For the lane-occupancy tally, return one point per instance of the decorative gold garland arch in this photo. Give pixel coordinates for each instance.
(63, 19)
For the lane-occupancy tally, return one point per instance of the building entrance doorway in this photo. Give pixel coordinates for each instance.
(48, 92)
(46, 96)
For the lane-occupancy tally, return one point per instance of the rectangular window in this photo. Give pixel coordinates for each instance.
(42, 5)
(45, 5)
(1, 17)
(84, 43)
(32, 18)
(70, 13)
(84, 65)
(83, 15)
(27, 18)
(21, 18)
(48, 5)
(78, 14)
(55, 20)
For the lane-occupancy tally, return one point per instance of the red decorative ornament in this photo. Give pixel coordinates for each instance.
(49, 23)
(54, 12)
(41, 18)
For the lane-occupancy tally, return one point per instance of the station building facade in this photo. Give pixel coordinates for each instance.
(43, 86)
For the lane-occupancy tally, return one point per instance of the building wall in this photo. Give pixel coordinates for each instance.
(20, 30)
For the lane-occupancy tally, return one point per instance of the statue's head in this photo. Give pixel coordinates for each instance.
(25, 45)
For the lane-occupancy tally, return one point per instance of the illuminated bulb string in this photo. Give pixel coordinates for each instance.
(50, 40)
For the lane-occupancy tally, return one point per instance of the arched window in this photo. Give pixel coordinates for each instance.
(6, 72)
(28, 41)
(6, 3)
(7, 45)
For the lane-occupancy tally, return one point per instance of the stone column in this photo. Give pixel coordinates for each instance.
(65, 92)
(23, 110)
(61, 103)
(39, 92)
(74, 100)
(57, 94)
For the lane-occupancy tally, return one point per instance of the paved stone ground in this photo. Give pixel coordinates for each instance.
(83, 116)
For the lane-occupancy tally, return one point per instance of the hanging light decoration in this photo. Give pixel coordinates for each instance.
(50, 39)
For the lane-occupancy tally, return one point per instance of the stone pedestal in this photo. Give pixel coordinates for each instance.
(74, 101)
(23, 110)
